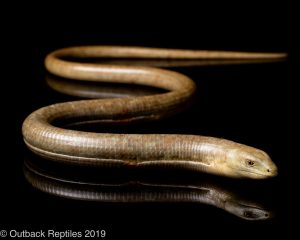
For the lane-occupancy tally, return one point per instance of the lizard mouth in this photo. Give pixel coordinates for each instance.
(260, 174)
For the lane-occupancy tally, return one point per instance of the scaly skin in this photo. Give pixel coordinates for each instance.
(206, 154)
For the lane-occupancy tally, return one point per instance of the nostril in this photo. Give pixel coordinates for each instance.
(268, 170)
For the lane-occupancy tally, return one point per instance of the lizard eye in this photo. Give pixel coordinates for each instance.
(250, 162)
(247, 214)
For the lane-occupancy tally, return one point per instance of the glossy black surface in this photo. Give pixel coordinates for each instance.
(252, 104)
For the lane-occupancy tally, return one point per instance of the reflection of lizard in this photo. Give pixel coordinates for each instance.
(144, 190)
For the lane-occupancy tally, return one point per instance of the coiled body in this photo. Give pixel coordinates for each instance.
(207, 154)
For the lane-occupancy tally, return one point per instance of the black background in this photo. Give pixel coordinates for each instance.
(253, 104)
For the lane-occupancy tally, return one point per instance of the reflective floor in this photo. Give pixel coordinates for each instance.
(142, 186)
(251, 103)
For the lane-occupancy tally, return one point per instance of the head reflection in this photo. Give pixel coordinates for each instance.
(117, 185)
